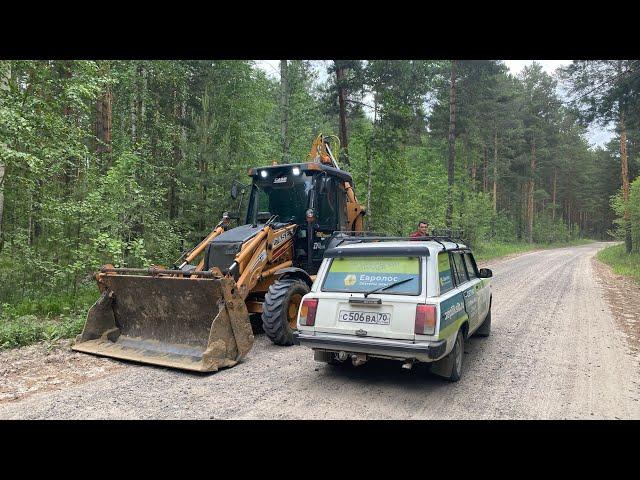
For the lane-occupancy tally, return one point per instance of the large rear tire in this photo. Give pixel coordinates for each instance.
(280, 309)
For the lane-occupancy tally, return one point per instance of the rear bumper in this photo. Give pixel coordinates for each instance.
(401, 349)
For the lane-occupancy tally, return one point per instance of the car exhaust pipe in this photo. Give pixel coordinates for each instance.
(359, 359)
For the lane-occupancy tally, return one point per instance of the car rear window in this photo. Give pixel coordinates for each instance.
(363, 274)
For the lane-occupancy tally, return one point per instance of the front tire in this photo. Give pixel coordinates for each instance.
(280, 309)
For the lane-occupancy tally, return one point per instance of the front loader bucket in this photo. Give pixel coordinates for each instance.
(199, 324)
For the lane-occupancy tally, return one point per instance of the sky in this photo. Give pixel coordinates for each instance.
(597, 136)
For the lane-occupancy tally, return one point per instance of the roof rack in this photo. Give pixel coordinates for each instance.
(453, 236)
(363, 236)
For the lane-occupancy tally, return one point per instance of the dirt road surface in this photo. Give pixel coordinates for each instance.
(556, 351)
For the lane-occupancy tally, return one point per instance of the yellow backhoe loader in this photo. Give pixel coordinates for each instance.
(196, 316)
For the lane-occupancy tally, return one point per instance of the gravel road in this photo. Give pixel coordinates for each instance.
(555, 352)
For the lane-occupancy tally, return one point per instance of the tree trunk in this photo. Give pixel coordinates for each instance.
(370, 162)
(143, 93)
(530, 192)
(133, 119)
(103, 128)
(176, 158)
(344, 154)
(452, 144)
(67, 110)
(369, 177)
(2, 172)
(284, 109)
(4, 85)
(553, 198)
(624, 165)
(30, 220)
(485, 167)
(474, 173)
(522, 214)
(495, 172)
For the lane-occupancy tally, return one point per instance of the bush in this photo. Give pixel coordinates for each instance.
(547, 230)
(617, 204)
(621, 262)
(27, 329)
(475, 217)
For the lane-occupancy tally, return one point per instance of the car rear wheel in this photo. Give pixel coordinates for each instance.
(280, 309)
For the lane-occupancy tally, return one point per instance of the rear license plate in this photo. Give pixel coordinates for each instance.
(355, 316)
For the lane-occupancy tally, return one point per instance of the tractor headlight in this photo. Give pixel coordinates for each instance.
(263, 173)
(295, 171)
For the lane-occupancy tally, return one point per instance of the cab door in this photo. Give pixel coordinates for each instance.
(468, 285)
(482, 289)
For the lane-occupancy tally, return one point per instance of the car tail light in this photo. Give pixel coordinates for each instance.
(425, 320)
(308, 312)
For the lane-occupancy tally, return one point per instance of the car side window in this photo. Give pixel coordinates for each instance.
(471, 270)
(444, 273)
(460, 271)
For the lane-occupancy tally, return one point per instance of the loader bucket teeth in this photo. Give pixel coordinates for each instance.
(198, 324)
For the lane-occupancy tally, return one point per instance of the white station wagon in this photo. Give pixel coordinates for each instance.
(414, 301)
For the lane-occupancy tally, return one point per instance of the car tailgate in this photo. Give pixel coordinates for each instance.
(394, 317)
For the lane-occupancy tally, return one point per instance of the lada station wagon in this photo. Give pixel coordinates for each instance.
(406, 300)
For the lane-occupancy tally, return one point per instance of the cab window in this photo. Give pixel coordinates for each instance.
(460, 270)
(444, 273)
(468, 260)
(328, 206)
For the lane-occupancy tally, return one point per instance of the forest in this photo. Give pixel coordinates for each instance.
(131, 162)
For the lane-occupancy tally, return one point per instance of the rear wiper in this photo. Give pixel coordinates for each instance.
(379, 289)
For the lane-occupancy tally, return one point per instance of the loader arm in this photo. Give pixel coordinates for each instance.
(264, 255)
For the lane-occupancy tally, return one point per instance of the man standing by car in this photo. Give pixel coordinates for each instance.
(423, 230)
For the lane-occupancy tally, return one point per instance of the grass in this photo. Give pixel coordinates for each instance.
(621, 262)
(46, 318)
(27, 329)
(487, 251)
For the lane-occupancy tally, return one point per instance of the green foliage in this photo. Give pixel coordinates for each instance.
(547, 230)
(27, 329)
(46, 317)
(618, 204)
(621, 262)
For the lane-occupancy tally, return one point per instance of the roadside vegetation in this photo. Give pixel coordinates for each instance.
(47, 318)
(621, 262)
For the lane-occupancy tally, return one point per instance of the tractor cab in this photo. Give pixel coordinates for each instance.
(310, 195)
